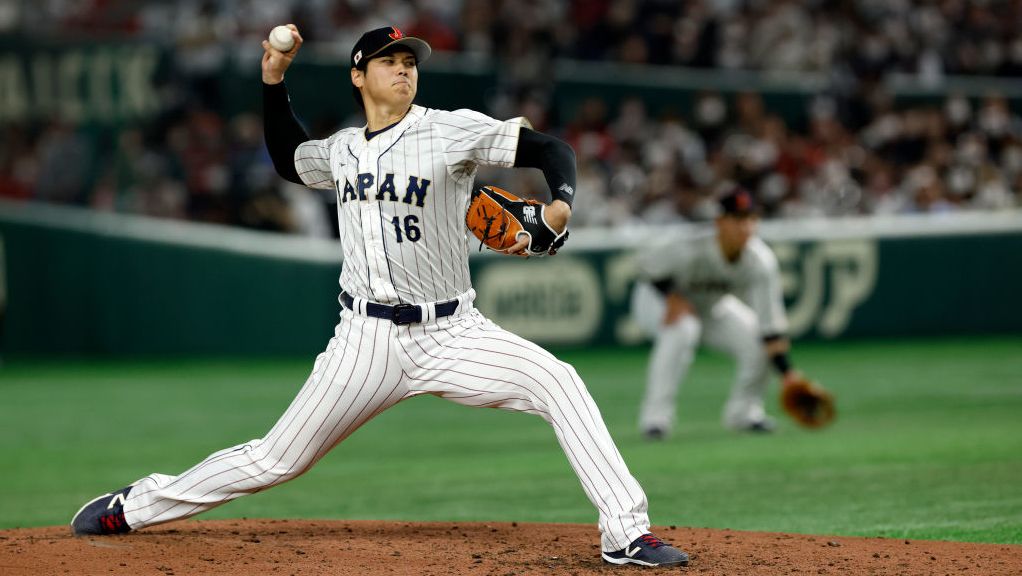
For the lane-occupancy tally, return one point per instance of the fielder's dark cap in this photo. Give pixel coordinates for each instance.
(376, 41)
(738, 202)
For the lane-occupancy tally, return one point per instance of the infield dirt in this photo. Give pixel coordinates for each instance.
(288, 547)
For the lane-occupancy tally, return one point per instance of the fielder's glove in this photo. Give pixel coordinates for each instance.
(498, 218)
(808, 403)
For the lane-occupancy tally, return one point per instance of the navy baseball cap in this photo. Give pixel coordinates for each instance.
(738, 202)
(376, 41)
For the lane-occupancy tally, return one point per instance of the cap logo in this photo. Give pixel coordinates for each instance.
(396, 34)
(358, 56)
(742, 201)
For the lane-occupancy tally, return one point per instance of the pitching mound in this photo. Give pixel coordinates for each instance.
(367, 548)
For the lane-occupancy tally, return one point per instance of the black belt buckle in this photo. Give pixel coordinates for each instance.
(403, 314)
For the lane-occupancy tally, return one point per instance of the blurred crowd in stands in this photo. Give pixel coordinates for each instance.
(856, 152)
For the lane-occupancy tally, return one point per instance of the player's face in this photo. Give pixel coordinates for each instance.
(734, 232)
(391, 79)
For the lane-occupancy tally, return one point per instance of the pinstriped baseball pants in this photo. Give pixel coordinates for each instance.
(370, 365)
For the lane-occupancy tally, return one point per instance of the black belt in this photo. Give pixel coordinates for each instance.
(400, 314)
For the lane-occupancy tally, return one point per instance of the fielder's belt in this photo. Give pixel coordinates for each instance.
(403, 314)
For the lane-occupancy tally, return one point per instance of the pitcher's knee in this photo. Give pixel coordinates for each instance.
(552, 384)
(274, 467)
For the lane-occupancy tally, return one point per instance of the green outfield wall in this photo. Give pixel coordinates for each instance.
(77, 282)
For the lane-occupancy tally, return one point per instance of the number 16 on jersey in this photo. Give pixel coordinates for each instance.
(408, 227)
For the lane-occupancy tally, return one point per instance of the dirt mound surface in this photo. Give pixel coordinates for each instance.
(288, 547)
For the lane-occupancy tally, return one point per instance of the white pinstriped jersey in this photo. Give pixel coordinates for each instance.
(700, 273)
(402, 201)
(402, 197)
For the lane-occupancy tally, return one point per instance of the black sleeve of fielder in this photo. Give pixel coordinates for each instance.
(781, 361)
(554, 157)
(282, 131)
(664, 285)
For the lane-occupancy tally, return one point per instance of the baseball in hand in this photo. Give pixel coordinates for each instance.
(281, 39)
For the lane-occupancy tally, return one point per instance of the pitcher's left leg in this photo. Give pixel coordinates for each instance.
(357, 377)
(471, 361)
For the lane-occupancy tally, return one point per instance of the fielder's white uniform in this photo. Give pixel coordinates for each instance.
(402, 198)
(737, 305)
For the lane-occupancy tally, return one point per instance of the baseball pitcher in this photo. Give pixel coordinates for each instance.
(408, 326)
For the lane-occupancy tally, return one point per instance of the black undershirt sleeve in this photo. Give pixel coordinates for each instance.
(553, 156)
(664, 285)
(282, 131)
(781, 361)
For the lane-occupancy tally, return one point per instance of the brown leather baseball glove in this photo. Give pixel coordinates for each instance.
(498, 218)
(808, 403)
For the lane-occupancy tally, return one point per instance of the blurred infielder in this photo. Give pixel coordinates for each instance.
(408, 326)
(721, 288)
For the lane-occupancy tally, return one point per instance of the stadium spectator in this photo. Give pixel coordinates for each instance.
(854, 149)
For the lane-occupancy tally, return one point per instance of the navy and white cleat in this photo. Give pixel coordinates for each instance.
(102, 515)
(648, 550)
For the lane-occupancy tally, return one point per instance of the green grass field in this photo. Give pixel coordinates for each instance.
(928, 444)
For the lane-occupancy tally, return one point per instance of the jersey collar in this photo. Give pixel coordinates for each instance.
(385, 137)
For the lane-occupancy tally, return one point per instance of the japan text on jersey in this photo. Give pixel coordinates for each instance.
(402, 196)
